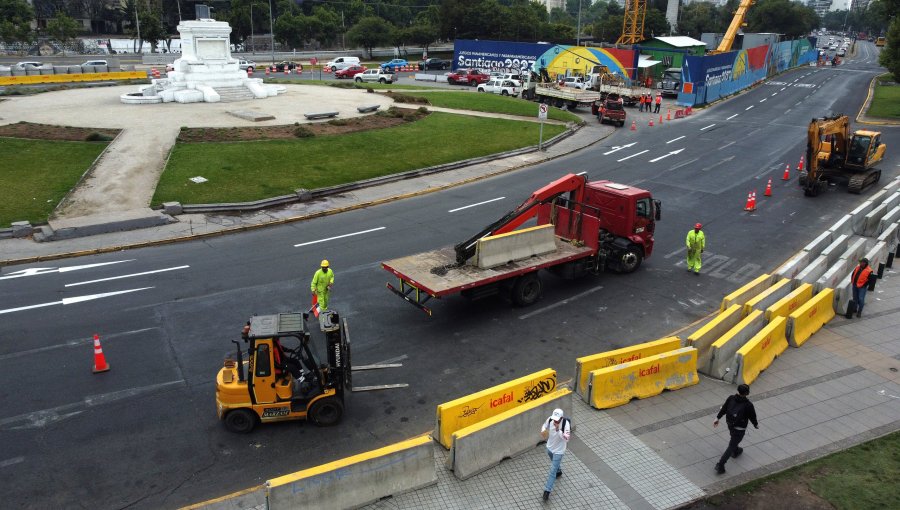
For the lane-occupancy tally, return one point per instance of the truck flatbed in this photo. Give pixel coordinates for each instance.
(435, 273)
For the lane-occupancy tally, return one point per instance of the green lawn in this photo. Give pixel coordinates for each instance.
(36, 174)
(492, 103)
(245, 171)
(886, 100)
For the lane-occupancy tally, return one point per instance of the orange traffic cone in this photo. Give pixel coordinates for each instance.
(668, 114)
(267, 71)
(768, 192)
(100, 364)
(800, 165)
(651, 122)
(660, 119)
(751, 201)
(287, 71)
(787, 173)
(633, 126)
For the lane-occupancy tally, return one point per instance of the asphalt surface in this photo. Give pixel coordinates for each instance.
(145, 434)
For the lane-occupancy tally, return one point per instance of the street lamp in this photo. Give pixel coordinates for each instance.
(272, 31)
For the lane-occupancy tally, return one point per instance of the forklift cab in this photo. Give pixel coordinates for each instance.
(285, 378)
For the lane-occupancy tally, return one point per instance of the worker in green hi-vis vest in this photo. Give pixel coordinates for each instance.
(696, 243)
(322, 282)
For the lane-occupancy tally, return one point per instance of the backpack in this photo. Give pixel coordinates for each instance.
(736, 414)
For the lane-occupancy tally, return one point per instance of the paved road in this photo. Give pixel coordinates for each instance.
(145, 434)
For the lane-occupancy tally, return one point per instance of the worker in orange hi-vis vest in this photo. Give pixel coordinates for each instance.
(658, 101)
(860, 283)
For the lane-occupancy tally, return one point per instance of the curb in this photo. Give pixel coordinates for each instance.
(865, 107)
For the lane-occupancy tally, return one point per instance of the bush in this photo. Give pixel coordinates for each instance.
(338, 122)
(423, 110)
(343, 85)
(303, 132)
(296, 123)
(98, 137)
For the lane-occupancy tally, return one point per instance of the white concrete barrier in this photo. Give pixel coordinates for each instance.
(859, 215)
(493, 251)
(795, 264)
(889, 219)
(889, 235)
(843, 293)
(818, 244)
(843, 225)
(814, 270)
(835, 274)
(877, 258)
(836, 248)
(855, 251)
(770, 296)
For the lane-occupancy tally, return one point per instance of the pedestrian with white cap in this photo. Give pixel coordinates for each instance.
(556, 431)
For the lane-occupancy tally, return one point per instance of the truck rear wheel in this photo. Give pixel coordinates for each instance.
(527, 290)
(240, 421)
(630, 259)
(326, 412)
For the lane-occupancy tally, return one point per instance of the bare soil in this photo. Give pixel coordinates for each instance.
(48, 132)
(784, 493)
(385, 119)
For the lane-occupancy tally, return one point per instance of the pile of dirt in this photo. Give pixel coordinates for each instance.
(784, 493)
(380, 120)
(47, 132)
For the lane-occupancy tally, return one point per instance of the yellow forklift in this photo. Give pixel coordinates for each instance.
(284, 378)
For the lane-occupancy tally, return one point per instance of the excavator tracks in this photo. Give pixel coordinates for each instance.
(860, 181)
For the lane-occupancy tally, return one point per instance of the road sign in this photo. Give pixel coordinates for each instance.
(542, 111)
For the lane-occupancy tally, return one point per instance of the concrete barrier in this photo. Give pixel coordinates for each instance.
(493, 251)
(748, 291)
(760, 351)
(724, 349)
(786, 305)
(843, 225)
(471, 409)
(587, 364)
(859, 215)
(814, 270)
(617, 385)
(877, 258)
(795, 264)
(889, 219)
(484, 445)
(835, 274)
(889, 235)
(818, 244)
(769, 296)
(870, 223)
(843, 293)
(358, 480)
(703, 338)
(810, 317)
(836, 248)
(855, 251)
(67, 78)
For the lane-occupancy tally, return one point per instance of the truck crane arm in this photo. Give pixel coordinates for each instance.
(736, 23)
(574, 183)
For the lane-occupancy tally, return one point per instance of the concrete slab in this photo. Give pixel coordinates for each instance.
(81, 226)
(253, 116)
(843, 225)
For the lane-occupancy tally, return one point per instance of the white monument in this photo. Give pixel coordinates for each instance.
(206, 71)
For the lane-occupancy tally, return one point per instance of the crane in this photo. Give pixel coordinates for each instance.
(736, 23)
(633, 23)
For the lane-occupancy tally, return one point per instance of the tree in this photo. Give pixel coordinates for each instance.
(16, 15)
(890, 53)
(63, 29)
(290, 30)
(423, 34)
(697, 18)
(783, 17)
(369, 32)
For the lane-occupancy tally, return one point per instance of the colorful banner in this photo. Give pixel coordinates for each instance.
(496, 55)
(562, 60)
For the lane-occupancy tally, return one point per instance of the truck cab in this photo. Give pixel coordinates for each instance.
(670, 85)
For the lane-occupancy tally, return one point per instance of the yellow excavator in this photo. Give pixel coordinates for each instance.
(835, 155)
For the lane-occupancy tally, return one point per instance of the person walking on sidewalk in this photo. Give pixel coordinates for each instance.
(557, 431)
(860, 282)
(696, 243)
(658, 101)
(321, 284)
(738, 411)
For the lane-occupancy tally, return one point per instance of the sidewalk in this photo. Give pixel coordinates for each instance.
(840, 389)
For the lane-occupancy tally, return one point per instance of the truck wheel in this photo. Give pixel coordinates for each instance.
(473, 83)
(240, 421)
(527, 290)
(451, 82)
(381, 81)
(621, 123)
(326, 412)
(630, 259)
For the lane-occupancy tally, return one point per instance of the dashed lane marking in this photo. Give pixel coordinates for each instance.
(707, 127)
(475, 205)
(633, 155)
(339, 237)
(127, 276)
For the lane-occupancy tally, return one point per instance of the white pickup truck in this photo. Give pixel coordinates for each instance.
(374, 75)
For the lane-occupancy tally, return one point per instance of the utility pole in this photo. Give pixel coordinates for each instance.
(272, 31)
(252, 47)
(578, 33)
(137, 23)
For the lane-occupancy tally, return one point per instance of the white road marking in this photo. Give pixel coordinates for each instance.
(617, 148)
(11, 461)
(475, 205)
(73, 300)
(788, 110)
(71, 343)
(798, 103)
(127, 276)
(682, 136)
(38, 419)
(633, 155)
(782, 89)
(561, 303)
(729, 144)
(763, 100)
(733, 116)
(707, 127)
(679, 165)
(749, 107)
(729, 158)
(339, 237)
(666, 155)
(34, 271)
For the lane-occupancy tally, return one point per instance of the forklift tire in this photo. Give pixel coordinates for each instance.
(326, 412)
(240, 421)
(527, 290)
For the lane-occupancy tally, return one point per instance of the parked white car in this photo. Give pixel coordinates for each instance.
(23, 65)
(247, 65)
(575, 82)
(502, 87)
(95, 63)
(374, 75)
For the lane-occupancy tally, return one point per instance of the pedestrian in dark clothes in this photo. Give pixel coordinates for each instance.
(738, 411)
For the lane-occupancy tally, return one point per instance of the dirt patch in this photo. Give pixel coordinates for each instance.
(787, 493)
(380, 120)
(48, 132)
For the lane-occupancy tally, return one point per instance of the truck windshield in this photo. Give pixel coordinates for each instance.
(672, 74)
(859, 146)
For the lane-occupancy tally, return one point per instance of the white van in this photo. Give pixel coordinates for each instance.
(339, 63)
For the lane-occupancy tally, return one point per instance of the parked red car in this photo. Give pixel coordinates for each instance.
(349, 72)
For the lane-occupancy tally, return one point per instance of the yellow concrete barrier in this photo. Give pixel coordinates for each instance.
(703, 338)
(71, 78)
(764, 299)
(810, 317)
(743, 294)
(587, 364)
(358, 480)
(471, 409)
(760, 351)
(617, 385)
(791, 302)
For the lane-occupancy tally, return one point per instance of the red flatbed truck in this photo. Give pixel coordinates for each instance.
(597, 225)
